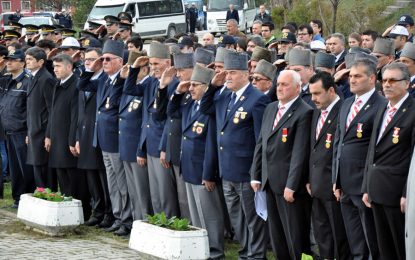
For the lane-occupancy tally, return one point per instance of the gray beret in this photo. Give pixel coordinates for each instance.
(159, 50)
(260, 53)
(114, 47)
(325, 60)
(220, 54)
(183, 60)
(384, 46)
(359, 50)
(236, 61)
(408, 51)
(202, 74)
(204, 56)
(351, 58)
(299, 57)
(266, 68)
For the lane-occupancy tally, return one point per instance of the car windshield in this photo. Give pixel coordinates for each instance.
(220, 5)
(34, 20)
(99, 12)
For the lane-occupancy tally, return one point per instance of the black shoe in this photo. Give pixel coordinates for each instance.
(122, 231)
(106, 223)
(93, 221)
(113, 228)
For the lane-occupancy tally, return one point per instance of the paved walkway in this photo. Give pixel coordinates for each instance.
(16, 243)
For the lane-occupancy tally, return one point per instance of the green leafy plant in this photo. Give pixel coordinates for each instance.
(174, 223)
(47, 194)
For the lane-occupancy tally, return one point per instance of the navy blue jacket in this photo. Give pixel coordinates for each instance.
(236, 138)
(198, 156)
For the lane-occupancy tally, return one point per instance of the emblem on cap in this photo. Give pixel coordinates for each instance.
(11, 52)
(285, 35)
(220, 39)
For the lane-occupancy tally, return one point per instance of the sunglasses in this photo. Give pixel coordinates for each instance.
(391, 81)
(257, 78)
(108, 59)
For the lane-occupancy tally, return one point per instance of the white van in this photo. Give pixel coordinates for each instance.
(151, 18)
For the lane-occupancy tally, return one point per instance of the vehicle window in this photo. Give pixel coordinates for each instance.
(176, 6)
(220, 5)
(35, 20)
(160, 8)
(147, 9)
(98, 12)
(131, 9)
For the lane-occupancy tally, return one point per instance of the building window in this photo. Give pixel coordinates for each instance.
(6, 6)
(26, 5)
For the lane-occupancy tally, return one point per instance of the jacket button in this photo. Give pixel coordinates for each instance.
(221, 148)
(184, 138)
(171, 120)
(222, 133)
(119, 132)
(374, 165)
(99, 112)
(314, 150)
(120, 119)
(342, 144)
(169, 133)
(148, 125)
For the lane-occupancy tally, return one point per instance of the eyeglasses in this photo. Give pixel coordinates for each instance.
(108, 59)
(391, 81)
(257, 79)
(302, 34)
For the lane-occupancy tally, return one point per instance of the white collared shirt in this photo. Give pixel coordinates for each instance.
(34, 72)
(113, 76)
(339, 55)
(287, 105)
(97, 74)
(365, 97)
(240, 92)
(330, 107)
(66, 79)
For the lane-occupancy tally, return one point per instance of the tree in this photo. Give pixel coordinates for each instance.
(335, 5)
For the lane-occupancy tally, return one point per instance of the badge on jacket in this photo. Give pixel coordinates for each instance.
(284, 135)
(395, 135)
(328, 140)
(359, 130)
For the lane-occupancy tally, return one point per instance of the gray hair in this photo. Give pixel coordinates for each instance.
(339, 36)
(294, 75)
(400, 67)
(257, 22)
(369, 66)
(230, 21)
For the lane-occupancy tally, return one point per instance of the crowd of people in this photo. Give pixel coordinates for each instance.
(296, 142)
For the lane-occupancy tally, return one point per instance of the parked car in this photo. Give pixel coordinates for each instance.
(38, 20)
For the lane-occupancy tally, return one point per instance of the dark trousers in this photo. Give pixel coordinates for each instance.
(289, 225)
(329, 230)
(73, 182)
(390, 231)
(360, 227)
(21, 174)
(44, 177)
(98, 188)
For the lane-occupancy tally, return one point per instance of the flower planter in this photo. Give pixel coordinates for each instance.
(54, 218)
(165, 243)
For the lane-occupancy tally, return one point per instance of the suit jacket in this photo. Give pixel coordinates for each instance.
(238, 130)
(341, 59)
(283, 162)
(62, 124)
(350, 151)
(198, 160)
(321, 155)
(90, 157)
(306, 96)
(388, 162)
(39, 101)
(232, 15)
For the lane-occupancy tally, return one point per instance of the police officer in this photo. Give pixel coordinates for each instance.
(13, 89)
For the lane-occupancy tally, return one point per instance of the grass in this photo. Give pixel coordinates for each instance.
(84, 232)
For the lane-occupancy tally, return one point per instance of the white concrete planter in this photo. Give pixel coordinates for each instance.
(165, 243)
(51, 217)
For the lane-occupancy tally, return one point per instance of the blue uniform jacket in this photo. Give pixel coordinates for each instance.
(237, 131)
(198, 150)
(108, 100)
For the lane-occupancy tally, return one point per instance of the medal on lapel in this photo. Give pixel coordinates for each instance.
(19, 85)
(284, 135)
(136, 103)
(328, 140)
(395, 135)
(359, 130)
(199, 128)
(107, 105)
(194, 126)
(155, 104)
(236, 116)
(130, 107)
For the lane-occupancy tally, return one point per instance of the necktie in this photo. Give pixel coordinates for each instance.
(321, 120)
(195, 108)
(278, 117)
(231, 103)
(355, 110)
(391, 112)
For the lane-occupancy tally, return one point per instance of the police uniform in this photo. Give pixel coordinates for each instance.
(13, 117)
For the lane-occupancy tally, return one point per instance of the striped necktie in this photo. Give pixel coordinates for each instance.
(355, 110)
(321, 120)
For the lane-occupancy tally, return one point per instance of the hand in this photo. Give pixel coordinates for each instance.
(336, 192)
(141, 161)
(211, 65)
(116, 36)
(273, 45)
(52, 53)
(256, 186)
(59, 41)
(341, 74)
(308, 187)
(209, 185)
(76, 56)
(365, 200)
(26, 140)
(403, 204)
(73, 151)
(96, 65)
(144, 71)
(167, 77)
(141, 62)
(124, 71)
(183, 87)
(163, 161)
(99, 29)
(289, 195)
(219, 79)
(279, 62)
(35, 38)
(78, 147)
(388, 30)
(3, 63)
(22, 38)
(48, 144)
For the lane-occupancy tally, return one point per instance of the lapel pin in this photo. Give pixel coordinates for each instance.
(404, 110)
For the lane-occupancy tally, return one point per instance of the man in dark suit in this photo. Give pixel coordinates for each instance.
(285, 138)
(326, 217)
(232, 13)
(238, 115)
(389, 157)
(61, 133)
(90, 157)
(39, 101)
(337, 46)
(353, 132)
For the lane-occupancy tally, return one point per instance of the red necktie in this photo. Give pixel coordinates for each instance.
(321, 120)
(278, 117)
(389, 116)
(355, 110)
